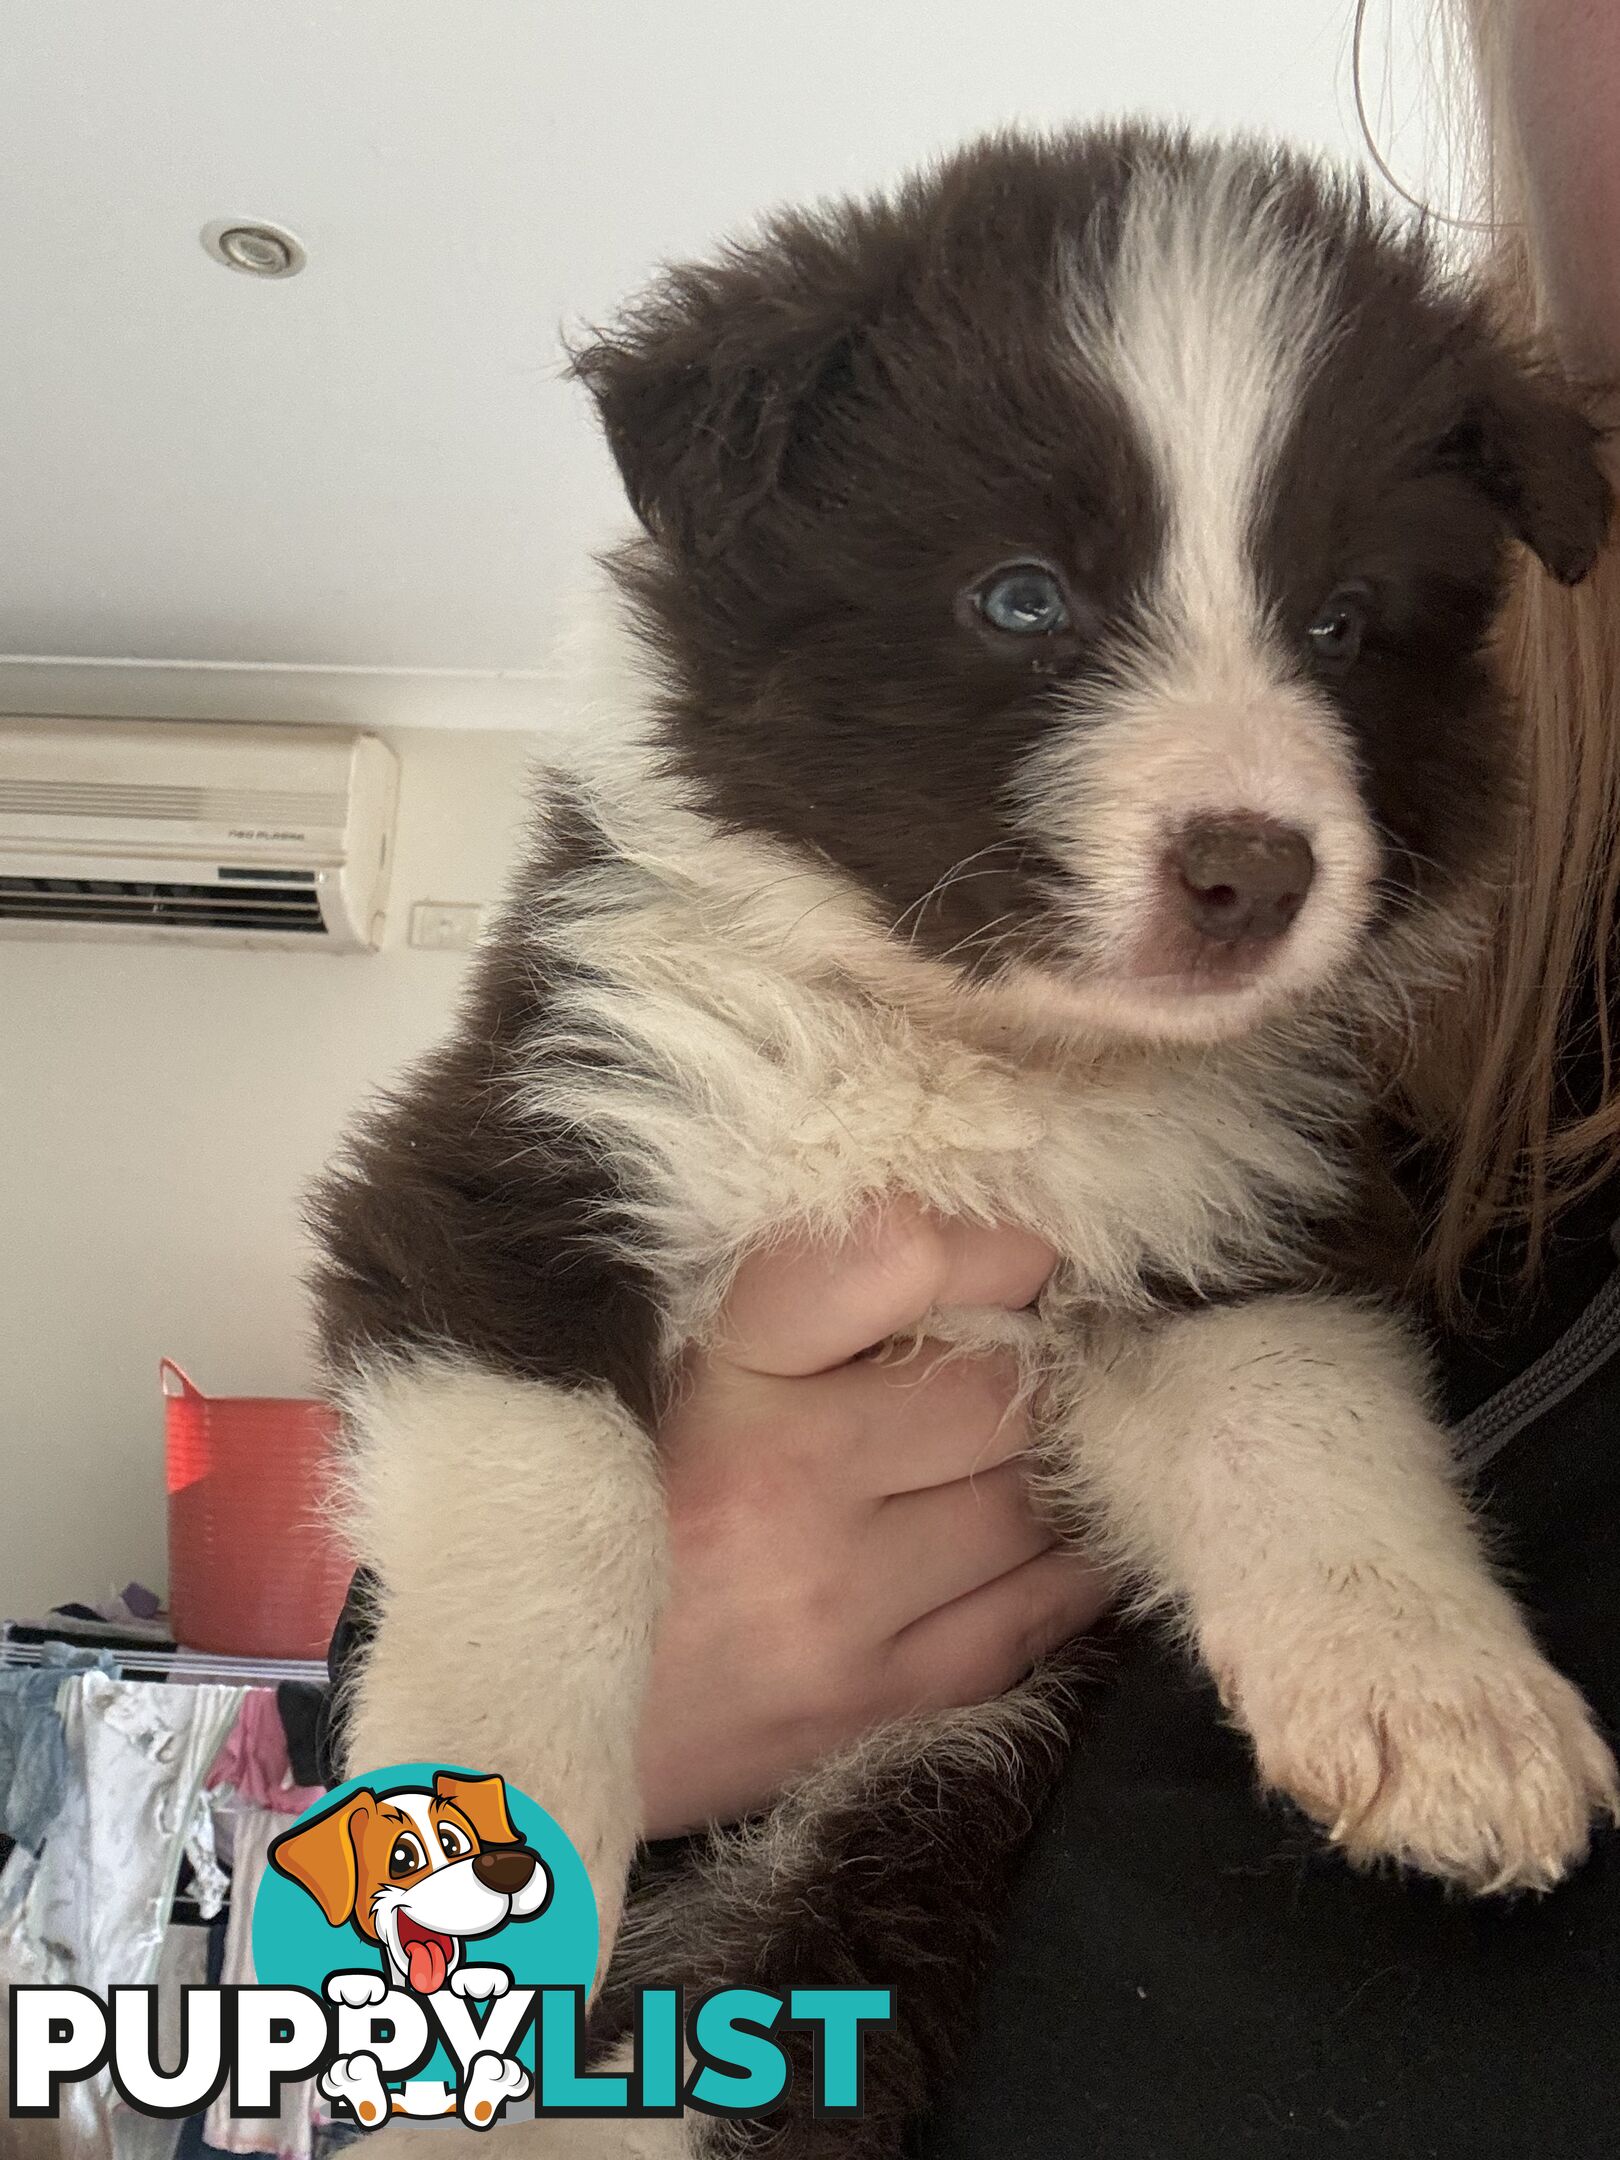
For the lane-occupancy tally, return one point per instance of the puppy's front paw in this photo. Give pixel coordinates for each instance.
(491, 2082)
(474, 1982)
(1466, 1756)
(357, 2081)
(356, 1990)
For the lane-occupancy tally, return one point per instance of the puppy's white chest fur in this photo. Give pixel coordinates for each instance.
(936, 1104)
(751, 1095)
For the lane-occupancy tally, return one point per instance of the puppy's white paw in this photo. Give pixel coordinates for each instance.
(357, 2081)
(1462, 1754)
(491, 2082)
(356, 1990)
(475, 1983)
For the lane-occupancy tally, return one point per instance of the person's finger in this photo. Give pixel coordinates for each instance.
(804, 1306)
(924, 1550)
(878, 1428)
(985, 1642)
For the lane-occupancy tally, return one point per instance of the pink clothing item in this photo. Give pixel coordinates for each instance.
(291, 2134)
(253, 1761)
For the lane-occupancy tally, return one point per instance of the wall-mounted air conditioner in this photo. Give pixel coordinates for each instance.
(197, 832)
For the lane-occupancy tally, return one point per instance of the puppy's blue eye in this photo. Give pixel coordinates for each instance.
(1024, 600)
(1337, 630)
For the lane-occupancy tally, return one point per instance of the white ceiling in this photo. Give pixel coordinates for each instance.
(366, 490)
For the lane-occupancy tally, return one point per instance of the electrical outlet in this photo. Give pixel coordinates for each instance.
(446, 925)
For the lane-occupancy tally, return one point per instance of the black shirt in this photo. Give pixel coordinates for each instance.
(1188, 1972)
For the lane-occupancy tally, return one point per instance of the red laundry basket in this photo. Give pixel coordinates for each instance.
(253, 1568)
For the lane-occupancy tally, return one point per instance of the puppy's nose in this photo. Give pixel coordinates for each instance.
(1240, 877)
(504, 1871)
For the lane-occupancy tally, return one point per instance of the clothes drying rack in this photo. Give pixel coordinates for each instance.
(163, 1661)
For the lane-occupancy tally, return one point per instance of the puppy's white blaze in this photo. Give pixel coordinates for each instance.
(1205, 324)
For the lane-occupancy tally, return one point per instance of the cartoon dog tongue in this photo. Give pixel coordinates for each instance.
(427, 1962)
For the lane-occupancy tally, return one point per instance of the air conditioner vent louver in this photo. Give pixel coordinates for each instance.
(167, 831)
(300, 808)
(127, 900)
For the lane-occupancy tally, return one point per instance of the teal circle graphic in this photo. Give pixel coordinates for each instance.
(294, 1945)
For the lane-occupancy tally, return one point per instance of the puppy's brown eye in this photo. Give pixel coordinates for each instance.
(453, 1841)
(1339, 627)
(407, 1855)
(1023, 599)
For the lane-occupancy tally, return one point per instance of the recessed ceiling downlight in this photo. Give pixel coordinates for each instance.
(254, 247)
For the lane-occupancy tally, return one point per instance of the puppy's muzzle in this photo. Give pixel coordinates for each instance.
(1240, 880)
(504, 1869)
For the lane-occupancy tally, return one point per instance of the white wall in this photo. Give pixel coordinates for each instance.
(160, 1109)
(375, 466)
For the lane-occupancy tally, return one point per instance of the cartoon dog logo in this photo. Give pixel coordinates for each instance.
(418, 1873)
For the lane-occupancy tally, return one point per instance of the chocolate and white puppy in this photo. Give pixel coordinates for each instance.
(1048, 718)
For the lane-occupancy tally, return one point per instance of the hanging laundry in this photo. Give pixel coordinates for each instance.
(302, 1704)
(292, 2135)
(96, 1907)
(254, 1761)
(193, 2145)
(33, 1753)
(183, 1964)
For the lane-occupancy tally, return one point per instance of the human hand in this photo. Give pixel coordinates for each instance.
(851, 1538)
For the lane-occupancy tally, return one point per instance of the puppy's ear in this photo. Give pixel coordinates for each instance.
(483, 1801)
(1526, 445)
(711, 391)
(323, 1857)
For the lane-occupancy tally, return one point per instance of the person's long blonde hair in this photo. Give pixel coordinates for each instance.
(1486, 1078)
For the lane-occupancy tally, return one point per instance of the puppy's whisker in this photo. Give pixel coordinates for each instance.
(956, 874)
(1008, 915)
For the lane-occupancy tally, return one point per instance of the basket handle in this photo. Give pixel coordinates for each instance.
(169, 1371)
